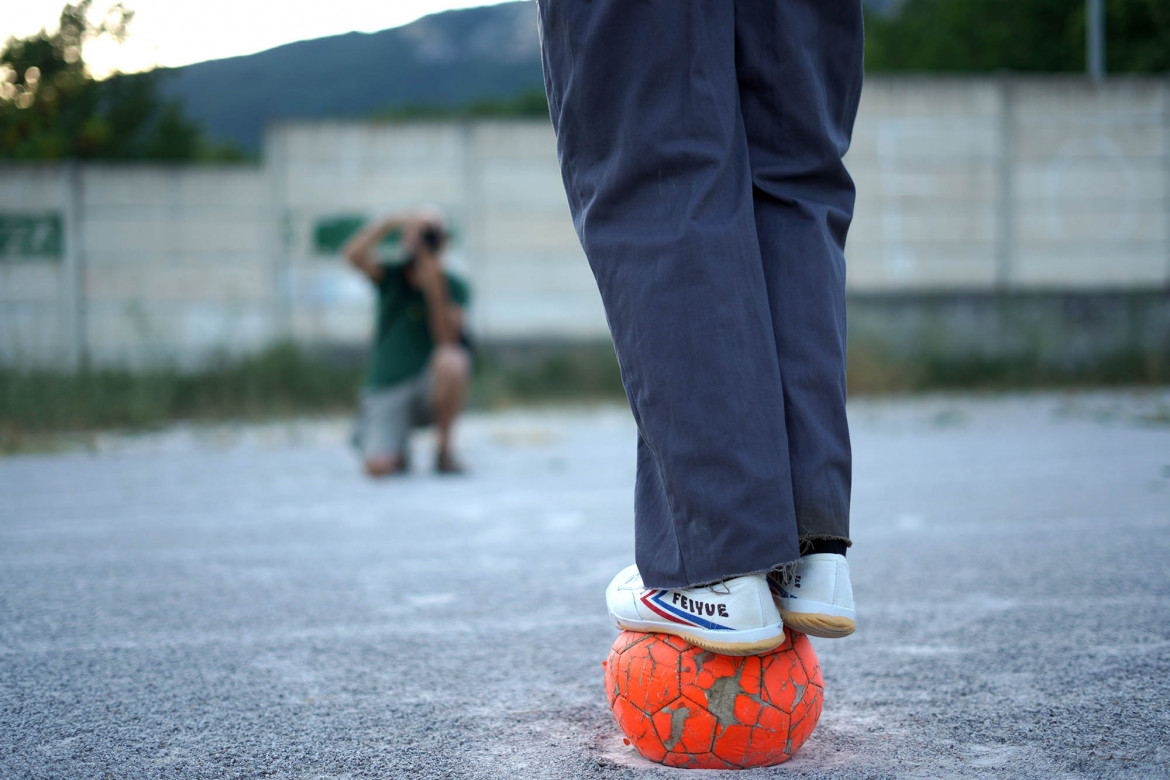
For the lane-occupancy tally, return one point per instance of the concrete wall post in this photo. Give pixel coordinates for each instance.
(1166, 177)
(73, 300)
(474, 223)
(275, 169)
(1005, 233)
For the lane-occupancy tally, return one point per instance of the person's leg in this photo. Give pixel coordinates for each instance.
(799, 65)
(654, 158)
(384, 429)
(450, 377)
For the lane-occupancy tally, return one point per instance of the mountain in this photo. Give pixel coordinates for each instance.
(446, 59)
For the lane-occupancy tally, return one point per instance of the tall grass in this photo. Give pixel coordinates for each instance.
(278, 382)
(285, 381)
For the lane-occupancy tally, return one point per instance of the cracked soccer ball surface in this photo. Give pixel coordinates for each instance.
(684, 706)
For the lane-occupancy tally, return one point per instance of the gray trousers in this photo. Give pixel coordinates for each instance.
(700, 144)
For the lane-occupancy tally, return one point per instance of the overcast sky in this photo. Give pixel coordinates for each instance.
(179, 32)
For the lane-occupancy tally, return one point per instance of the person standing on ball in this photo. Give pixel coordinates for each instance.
(701, 149)
(420, 366)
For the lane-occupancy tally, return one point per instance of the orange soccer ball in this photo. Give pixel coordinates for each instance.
(684, 706)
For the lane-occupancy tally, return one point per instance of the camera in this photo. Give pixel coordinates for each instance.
(433, 238)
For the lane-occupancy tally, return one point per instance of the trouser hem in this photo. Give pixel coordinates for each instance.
(806, 542)
(781, 570)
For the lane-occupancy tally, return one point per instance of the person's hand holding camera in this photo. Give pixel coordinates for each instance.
(427, 272)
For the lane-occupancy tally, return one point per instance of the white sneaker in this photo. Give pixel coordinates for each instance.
(817, 599)
(735, 617)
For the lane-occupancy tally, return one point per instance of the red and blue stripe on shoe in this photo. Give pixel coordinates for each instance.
(656, 601)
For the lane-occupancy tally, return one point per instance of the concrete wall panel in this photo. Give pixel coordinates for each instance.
(31, 283)
(31, 334)
(921, 267)
(1101, 266)
(179, 334)
(528, 188)
(527, 232)
(514, 142)
(177, 282)
(32, 187)
(964, 184)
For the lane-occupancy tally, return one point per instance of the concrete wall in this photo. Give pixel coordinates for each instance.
(498, 181)
(40, 285)
(159, 264)
(1011, 184)
(965, 185)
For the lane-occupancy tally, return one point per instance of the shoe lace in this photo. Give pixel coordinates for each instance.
(781, 578)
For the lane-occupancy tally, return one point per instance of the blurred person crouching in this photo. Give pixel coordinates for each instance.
(420, 363)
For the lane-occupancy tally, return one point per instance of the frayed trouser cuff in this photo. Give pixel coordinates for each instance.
(779, 570)
(806, 542)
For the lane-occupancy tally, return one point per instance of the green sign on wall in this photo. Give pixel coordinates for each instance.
(331, 233)
(28, 236)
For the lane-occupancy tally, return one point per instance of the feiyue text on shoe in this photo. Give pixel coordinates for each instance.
(700, 607)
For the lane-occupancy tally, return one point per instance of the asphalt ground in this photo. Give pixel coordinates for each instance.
(241, 602)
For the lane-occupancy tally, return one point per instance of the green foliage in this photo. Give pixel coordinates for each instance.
(52, 108)
(280, 381)
(874, 370)
(565, 372)
(529, 104)
(283, 381)
(1016, 35)
(1138, 36)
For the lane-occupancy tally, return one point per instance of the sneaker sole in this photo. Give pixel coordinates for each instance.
(751, 646)
(824, 626)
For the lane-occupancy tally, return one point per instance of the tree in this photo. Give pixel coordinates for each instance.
(51, 107)
(1016, 35)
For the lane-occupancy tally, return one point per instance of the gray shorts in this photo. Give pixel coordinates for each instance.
(388, 414)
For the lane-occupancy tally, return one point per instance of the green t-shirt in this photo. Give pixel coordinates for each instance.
(402, 339)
